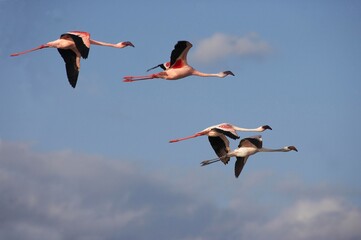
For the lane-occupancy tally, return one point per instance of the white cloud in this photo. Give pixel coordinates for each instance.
(219, 46)
(326, 218)
(64, 195)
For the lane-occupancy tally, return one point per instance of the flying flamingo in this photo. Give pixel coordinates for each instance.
(247, 147)
(177, 67)
(217, 136)
(71, 46)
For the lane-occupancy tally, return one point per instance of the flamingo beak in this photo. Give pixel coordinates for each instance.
(266, 127)
(129, 44)
(229, 73)
(292, 148)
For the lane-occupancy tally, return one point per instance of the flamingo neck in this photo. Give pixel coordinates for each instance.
(118, 45)
(259, 129)
(272, 150)
(202, 74)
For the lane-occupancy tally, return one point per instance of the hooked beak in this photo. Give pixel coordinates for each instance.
(293, 148)
(228, 73)
(129, 44)
(266, 127)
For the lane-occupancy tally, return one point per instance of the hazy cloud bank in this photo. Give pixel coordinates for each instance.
(65, 195)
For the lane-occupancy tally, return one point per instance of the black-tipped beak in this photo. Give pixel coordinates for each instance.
(293, 148)
(129, 44)
(266, 127)
(229, 73)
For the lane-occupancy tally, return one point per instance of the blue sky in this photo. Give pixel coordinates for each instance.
(94, 162)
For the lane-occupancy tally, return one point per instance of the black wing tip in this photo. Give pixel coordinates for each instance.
(225, 160)
(183, 44)
(236, 174)
(238, 166)
(159, 65)
(73, 81)
(72, 74)
(72, 71)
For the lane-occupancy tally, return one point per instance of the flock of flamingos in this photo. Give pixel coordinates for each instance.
(75, 45)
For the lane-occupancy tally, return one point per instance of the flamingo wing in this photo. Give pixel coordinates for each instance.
(72, 70)
(226, 130)
(178, 57)
(81, 40)
(255, 141)
(220, 148)
(240, 162)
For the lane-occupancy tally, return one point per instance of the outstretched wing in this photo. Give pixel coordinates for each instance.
(240, 162)
(72, 70)
(220, 148)
(178, 57)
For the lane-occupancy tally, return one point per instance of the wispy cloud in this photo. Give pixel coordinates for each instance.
(64, 195)
(312, 219)
(220, 46)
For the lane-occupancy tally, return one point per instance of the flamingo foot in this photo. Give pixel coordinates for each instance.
(206, 162)
(128, 80)
(138, 78)
(30, 50)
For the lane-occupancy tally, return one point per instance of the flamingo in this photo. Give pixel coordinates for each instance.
(71, 46)
(247, 147)
(217, 136)
(177, 67)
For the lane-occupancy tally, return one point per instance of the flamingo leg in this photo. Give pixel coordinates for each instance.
(206, 162)
(138, 78)
(185, 138)
(30, 50)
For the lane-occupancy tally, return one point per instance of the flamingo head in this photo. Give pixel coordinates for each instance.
(291, 148)
(124, 44)
(265, 127)
(226, 73)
